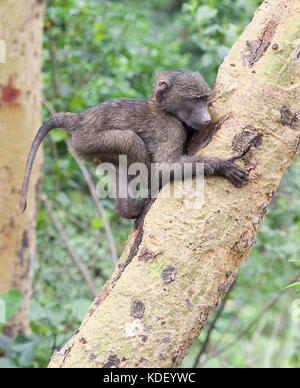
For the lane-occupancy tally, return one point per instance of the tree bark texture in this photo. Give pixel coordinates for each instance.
(159, 298)
(21, 28)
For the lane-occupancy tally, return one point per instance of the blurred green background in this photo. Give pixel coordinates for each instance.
(98, 50)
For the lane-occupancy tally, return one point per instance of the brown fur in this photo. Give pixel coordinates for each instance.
(149, 130)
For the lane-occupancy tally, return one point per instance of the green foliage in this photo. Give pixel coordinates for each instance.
(95, 51)
(293, 285)
(11, 301)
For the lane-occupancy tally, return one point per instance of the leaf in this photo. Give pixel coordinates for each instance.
(25, 346)
(11, 301)
(56, 313)
(37, 312)
(97, 223)
(294, 261)
(99, 31)
(204, 14)
(58, 135)
(297, 284)
(76, 103)
(207, 59)
(294, 360)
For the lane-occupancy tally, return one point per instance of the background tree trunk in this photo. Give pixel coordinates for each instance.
(20, 100)
(160, 296)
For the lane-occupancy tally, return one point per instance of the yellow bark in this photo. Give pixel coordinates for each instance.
(149, 314)
(21, 26)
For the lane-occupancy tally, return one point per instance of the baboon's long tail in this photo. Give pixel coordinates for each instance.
(60, 120)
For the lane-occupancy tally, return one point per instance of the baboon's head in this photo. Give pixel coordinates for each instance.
(184, 94)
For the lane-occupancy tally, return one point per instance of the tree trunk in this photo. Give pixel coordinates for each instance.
(156, 303)
(21, 30)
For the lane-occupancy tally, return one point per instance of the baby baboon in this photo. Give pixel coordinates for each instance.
(146, 130)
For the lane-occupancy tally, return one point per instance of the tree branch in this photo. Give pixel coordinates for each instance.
(149, 313)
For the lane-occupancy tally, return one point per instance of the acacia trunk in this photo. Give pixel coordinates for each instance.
(155, 305)
(21, 26)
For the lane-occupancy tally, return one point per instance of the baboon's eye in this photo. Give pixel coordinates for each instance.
(196, 100)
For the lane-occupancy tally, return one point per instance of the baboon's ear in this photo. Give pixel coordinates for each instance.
(162, 86)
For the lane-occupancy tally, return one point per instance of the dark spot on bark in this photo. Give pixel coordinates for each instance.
(67, 351)
(113, 360)
(28, 93)
(147, 254)
(168, 274)
(28, 266)
(137, 309)
(163, 340)
(225, 287)
(232, 64)
(93, 356)
(244, 141)
(8, 93)
(11, 223)
(143, 337)
(289, 118)
(275, 46)
(228, 274)
(103, 294)
(297, 146)
(83, 340)
(40, 1)
(190, 305)
(147, 327)
(257, 48)
(24, 246)
(262, 211)
(25, 243)
(199, 317)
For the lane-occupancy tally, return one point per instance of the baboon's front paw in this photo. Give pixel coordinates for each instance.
(235, 174)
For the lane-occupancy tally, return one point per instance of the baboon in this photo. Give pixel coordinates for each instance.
(148, 131)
